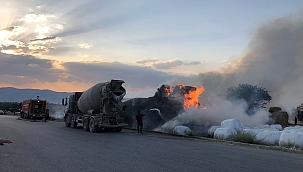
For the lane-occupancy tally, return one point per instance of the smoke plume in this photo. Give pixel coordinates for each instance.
(273, 60)
(215, 113)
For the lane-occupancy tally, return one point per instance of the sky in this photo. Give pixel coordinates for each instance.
(71, 45)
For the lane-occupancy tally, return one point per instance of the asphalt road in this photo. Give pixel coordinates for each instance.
(50, 146)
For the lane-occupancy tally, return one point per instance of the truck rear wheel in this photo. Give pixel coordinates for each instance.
(73, 122)
(92, 126)
(86, 124)
(110, 129)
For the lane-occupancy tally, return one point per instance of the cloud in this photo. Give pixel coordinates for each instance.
(23, 69)
(45, 38)
(193, 63)
(31, 35)
(173, 63)
(11, 28)
(144, 61)
(19, 70)
(35, 18)
(134, 76)
(86, 45)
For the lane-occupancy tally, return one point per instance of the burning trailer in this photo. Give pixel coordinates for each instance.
(166, 104)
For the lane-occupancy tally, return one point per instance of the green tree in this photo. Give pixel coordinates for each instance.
(10, 106)
(255, 97)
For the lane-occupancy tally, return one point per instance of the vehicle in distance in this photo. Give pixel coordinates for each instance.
(33, 108)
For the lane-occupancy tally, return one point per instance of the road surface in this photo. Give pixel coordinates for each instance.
(50, 146)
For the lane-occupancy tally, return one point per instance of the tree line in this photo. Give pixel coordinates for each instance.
(10, 106)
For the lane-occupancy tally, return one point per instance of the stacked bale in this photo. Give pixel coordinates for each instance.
(278, 116)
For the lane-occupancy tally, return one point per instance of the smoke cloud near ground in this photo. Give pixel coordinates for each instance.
(214, 114)
(273, 60)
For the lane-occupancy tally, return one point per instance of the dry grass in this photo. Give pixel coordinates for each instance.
(244, 137)
(288, 144)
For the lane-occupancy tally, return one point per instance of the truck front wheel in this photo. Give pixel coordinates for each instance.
(67, 124)
(92, 126)
(73, 122)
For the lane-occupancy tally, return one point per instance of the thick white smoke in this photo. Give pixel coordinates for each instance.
(215, 113)
(273, 60)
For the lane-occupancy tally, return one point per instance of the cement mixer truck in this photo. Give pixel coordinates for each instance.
(96, 108)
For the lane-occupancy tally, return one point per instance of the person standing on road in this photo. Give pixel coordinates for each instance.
(139, 119)
(46, 115)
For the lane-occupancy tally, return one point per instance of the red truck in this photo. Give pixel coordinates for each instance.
(33, 108)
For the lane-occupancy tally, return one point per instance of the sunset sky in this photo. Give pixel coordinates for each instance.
(71, 45)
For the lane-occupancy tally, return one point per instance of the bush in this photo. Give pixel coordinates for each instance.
(244, 137)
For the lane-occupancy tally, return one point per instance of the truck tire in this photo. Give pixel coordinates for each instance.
(86, 124)
(73, 122)
(110, 129)
(92, 126)
(66, 123)
(118, 129)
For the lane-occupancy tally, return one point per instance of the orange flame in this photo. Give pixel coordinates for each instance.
(192, 97)
(167, 91)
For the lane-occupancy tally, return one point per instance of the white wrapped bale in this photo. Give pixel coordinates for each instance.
(212, 130)
(251, 131)
(276, 126)
(270, 129)
(289, 139)
(262, 126)
(294, 129)
(277, 135)
(224, 133)
(182, 130)
(232, 123)
(266, 137)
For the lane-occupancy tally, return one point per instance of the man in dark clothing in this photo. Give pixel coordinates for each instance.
(139, 117)
(46, 115)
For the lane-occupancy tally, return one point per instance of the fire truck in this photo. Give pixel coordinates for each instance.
(33, 108)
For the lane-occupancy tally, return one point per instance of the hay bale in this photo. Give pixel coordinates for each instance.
(274, 109)
(224, 133)
(182, 130)
(278, 117)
